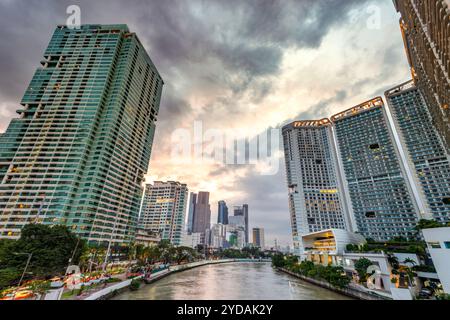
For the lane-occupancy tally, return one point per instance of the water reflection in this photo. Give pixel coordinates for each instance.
(233, 281)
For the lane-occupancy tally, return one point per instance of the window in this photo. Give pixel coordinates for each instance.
(446, 200)
(447, 244)
(374, 146)
(434, 245)
(370, 214)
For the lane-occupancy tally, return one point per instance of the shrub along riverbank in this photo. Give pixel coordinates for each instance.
(334, 275)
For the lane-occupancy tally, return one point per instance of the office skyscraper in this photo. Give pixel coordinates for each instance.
(382, 201)
(202, 213)
(243, 211)
(191, 212)
(222, 212)
(163, 210)
(425, 150)
(78, 153)
(426, 33)
(316, 200)
(258, 238)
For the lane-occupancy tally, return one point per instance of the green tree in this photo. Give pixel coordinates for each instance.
(361, 266)
(51, 249)
(278, 260)
(9, 277)
(351, 247)
(153, 254)
(305, 267)
(166, 251)
(393, 261)
(428, 224)
(183, 254)
(410, 261)
(336, 276)
(135, 284)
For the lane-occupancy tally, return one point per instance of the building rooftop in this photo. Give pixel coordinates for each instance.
(401, 88)
(308, 123)
(361, 108)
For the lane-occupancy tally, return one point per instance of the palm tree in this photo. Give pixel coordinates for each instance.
(393, 261)
(410, 261)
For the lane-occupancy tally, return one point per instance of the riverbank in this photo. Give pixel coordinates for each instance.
(120, 287)
(349, 291)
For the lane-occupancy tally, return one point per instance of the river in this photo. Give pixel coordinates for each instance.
(231, 281)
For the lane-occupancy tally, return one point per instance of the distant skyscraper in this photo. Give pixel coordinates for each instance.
(216, 236)
(235, 232)
(316, 200)
(191, 213)
(425, 150)
(202, 214)
(79, 151)
(426, 33)
(163, 210)
(222, 212)
(382, 201)
(237, 221)
(243, 211)
(247, 231)
(258, 238)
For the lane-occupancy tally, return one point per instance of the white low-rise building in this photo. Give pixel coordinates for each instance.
(192, 240)
(328, 247)
(438, 243)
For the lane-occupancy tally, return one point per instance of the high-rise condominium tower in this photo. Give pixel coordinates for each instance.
(163, 210)
(426, 33)
(381, 197)
(222, 212)
(316, 199)
(202, 214)
(78, 153)
(425, 150)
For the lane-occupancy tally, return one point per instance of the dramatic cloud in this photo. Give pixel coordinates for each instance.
(230, 64)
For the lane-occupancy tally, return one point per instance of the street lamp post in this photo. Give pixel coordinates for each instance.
(74, 250)
(26, 265)
(109, 247)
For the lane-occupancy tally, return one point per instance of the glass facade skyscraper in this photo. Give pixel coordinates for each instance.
(163, 210)
(426, 33)
(222, 212)
(78, 153)
(191, 212)
(382, 199)
(425, 150)
(316, 200)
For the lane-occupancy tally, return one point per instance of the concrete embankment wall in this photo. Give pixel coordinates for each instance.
(350, 292)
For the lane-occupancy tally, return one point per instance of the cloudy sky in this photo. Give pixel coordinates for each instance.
(241, 65)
